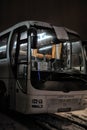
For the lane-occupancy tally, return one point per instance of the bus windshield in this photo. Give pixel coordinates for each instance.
(53, 58)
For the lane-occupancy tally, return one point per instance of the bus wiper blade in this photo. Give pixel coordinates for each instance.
(68, 75)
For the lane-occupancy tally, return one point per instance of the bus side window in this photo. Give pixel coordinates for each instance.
(3, 46)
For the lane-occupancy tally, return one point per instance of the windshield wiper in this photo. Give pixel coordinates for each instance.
(73, 76)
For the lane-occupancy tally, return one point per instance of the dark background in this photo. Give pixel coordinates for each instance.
(69, 13)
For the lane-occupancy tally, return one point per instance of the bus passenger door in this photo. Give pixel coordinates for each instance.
(19, 66)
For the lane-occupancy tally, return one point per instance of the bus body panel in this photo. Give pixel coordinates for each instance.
(37, 101)
(57, 101)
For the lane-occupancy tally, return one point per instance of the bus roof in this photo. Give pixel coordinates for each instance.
(60, 31)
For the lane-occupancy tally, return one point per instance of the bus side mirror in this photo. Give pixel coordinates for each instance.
(33, 42)
(33, 38)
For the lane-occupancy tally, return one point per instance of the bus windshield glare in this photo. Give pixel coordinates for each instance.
(51, 60)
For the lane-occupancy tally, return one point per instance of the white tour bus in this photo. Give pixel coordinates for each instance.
(42, 69)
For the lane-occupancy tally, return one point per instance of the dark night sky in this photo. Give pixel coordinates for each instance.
(69, 13)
